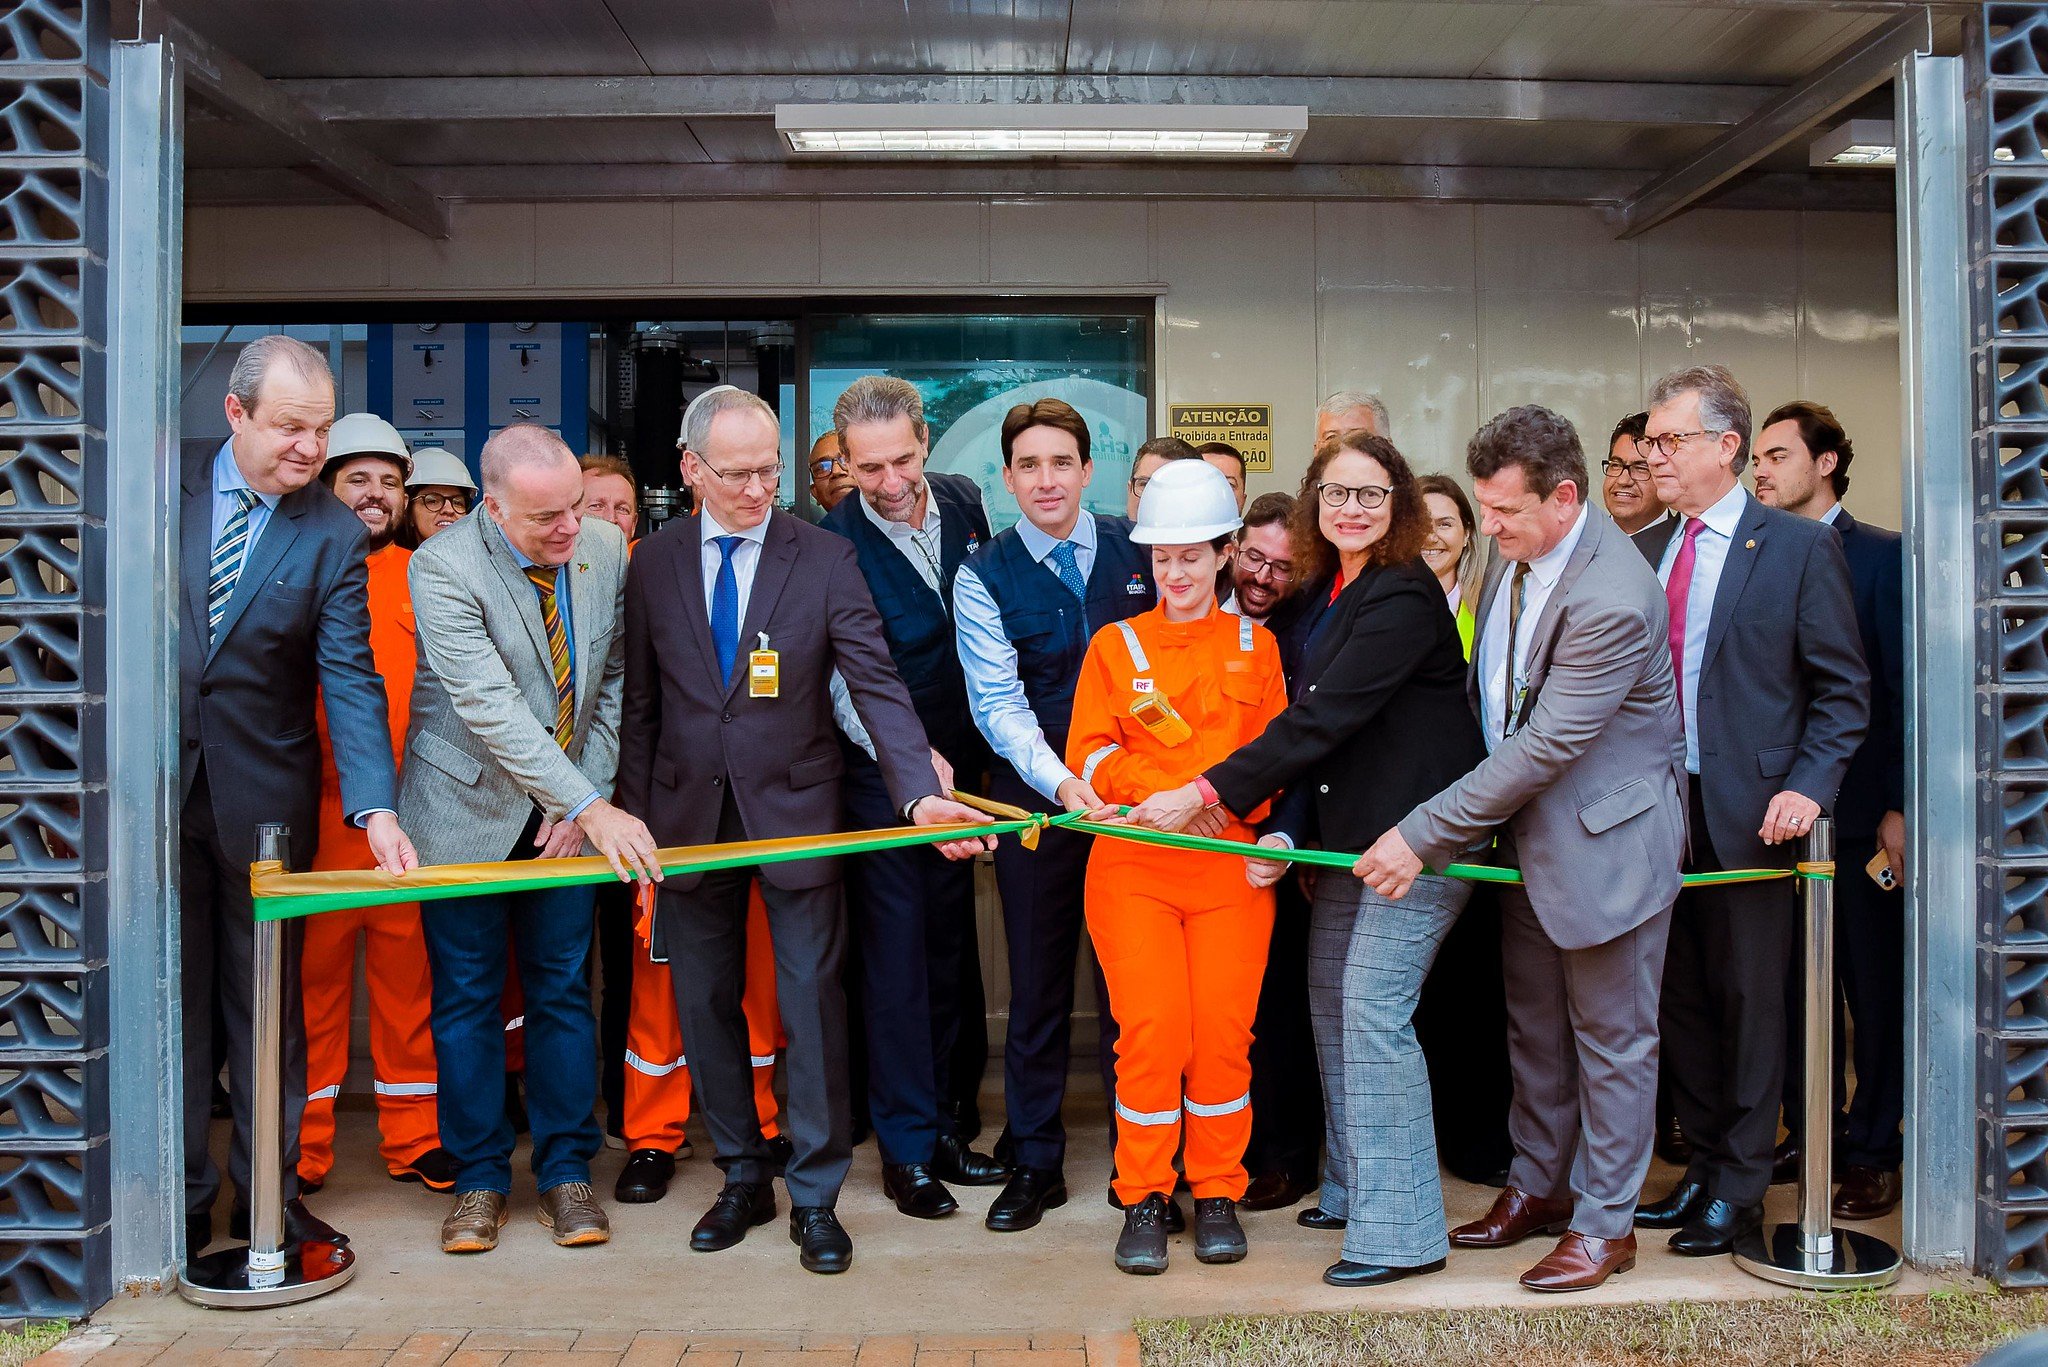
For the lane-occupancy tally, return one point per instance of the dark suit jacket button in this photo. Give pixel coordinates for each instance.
(206, 690)
(191, 745)
(718, 780)
(726, 717)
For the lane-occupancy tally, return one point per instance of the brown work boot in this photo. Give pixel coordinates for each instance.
(472, 1227)
(573, 1215)
(1514, 1217)
(1580, 1263)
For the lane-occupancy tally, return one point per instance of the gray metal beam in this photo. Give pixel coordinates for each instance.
(773, 180)
(226, 82)
(495, 98)
(1846, 79)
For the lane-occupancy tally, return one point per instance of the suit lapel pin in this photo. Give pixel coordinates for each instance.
(1750, 544)
(583, 566)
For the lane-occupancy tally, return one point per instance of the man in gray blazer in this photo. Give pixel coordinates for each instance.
(736, 617)
(1776, 698)
(274, 613)
(510, 754)
(1572, 683)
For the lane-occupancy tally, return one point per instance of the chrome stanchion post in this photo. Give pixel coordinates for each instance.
(271, 1270)
(1811, 1253)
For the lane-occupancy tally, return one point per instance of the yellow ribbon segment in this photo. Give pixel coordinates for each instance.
(1028, 837)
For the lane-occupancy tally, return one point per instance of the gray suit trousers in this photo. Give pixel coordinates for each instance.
(1582, 1040)
(1367, 958)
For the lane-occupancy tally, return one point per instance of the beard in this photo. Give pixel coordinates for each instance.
(380, 537)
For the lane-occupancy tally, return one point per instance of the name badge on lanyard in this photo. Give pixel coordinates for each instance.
(764, 671)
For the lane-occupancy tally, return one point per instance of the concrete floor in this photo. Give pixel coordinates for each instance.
(909, 1277)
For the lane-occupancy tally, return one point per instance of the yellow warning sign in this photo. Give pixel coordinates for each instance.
(1247, 426)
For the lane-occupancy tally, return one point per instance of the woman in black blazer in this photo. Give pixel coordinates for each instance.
(1379, 723)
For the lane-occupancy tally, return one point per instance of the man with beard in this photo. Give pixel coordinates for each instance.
(367, 466)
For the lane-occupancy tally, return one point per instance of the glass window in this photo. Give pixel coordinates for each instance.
(973, 368)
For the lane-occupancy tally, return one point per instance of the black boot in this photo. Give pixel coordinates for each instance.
(1219, 1238)
(1141, 1248)
(645, 1178)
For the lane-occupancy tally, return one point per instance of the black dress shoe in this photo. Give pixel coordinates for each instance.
(1315, 1217)
(312, 1186)
(1370, 1274)
(645, 1178)
(1176, 1218)
(739, 1207)
(916, 1192)
(822, 1245)
(1219, 1238)
(301, 1226)
(1716, 1228)
(1025, 1199)
(198, 1234)
(1786, 1162)
(780, 1150)
(953, 1161)
(1141, 1248)
(1672, 1145)
(1274, 1191)
(1679, 1205)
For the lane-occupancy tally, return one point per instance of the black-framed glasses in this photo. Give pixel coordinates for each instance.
(434, 503)
(1667, 443)
(1337, 495)
(824, 465)
(1279, 571)
(1633, 471)
(1138, 485)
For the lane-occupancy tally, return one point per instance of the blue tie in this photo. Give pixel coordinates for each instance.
(725, 608)
(1069, 571)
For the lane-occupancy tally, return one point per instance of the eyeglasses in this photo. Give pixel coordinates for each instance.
(1279, 571)
(1633, 471)
(1138, 485)
(1337, 495)
(824, 465)
(434, 503)
(737, 480)
(1668, 442)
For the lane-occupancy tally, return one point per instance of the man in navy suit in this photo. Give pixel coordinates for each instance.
(1802, 466)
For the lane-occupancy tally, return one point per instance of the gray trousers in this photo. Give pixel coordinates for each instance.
(1367, 957)
(1582, 1040)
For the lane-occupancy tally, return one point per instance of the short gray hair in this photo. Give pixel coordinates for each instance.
(523, 443)
(1724, 407)
(245, 381)
(705, 408)
(879, 398)
(1344, 400)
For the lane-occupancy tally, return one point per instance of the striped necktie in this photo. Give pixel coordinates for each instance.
(229, 552)
(543, 579)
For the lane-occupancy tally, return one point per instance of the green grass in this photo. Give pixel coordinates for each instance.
(1861, 1330)
(21, 1343)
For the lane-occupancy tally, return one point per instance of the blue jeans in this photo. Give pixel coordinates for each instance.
(469, 942)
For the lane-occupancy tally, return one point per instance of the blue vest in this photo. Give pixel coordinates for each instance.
(1050, 630)
(917, 622)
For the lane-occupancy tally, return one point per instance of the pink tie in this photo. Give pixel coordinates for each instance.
(1676, 591)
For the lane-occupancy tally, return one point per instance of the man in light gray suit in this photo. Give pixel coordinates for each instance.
(1572, 682)
(511, 752)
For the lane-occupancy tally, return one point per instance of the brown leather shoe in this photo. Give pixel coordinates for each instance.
(1868, 1193)
(1580, 1264)
(1514, 1217)
(573, 1215)
(472, 1227)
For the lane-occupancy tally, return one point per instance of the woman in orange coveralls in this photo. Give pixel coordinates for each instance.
(1181, 936)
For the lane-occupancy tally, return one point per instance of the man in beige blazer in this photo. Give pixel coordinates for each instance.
(511, 754)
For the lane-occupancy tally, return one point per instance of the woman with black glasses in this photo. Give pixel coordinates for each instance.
(1379, 722)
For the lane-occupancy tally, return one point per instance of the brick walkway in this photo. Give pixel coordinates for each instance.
(228, 1347)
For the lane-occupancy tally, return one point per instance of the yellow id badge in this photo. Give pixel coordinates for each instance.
(1157, 714)
(764, 671)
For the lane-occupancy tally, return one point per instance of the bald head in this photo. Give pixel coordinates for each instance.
(518, 447)
(533, 490)
(831, 480)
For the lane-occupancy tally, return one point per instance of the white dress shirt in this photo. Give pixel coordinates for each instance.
(920, 546)
(746, 559)
(1544, 572)
(1710, 553)
(995, 693)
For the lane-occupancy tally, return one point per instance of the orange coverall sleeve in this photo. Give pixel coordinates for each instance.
(1100, 728)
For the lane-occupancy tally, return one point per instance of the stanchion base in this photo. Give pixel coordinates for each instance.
(1859, 1262)
(223, 1280)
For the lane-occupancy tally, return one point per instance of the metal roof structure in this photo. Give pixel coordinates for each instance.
(407, 105)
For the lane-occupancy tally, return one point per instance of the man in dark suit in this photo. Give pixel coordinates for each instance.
(912, 912)
(1802, 466)
(1772, 687)
(274, 615)
(736, 619)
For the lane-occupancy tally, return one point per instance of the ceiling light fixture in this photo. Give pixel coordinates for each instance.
(1857, 143)
(1042, 130)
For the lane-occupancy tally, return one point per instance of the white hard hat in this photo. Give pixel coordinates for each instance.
(1185, 502)
(439, 465)
(683, 433)
(366, 434)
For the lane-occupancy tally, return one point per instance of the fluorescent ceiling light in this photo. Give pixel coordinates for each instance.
(1041, 130)
(1857, 143)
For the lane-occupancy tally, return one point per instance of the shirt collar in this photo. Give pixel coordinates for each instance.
(227, 476)
(902, 530)
(1726, 514)
(519, 557)
(1834, 511)
(758, 533)
(1040, 545)
(1548, 566)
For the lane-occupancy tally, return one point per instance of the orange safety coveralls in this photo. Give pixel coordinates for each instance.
(657, 1070)
(400, 985)
(1181, 936)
